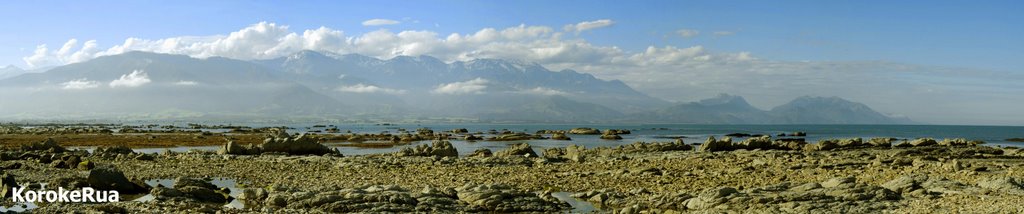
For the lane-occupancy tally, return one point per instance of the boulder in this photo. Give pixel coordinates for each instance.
(923, 142)
(763, 142)
(575, 153)
(881, 141)
(521, 149)
(960, 142)
(481, 153)
(113, 150)
(300, 145)
(584, 131)
(47, 145)
(560, 136)
(713, 145)
(7, 182)
(611, 136)
(437, 148)
(109, 178)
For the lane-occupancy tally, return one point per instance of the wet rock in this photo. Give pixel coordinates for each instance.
(437, 148)
(110, 178)
(713, 145)
(481, 153)
(113, 150)
(560, 136)
(611, 135)
(521, 149)
(470, 137)
(584, 131)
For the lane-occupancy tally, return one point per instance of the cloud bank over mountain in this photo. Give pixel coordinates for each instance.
(668, 72)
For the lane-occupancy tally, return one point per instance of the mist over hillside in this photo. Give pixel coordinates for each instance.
(314, 86)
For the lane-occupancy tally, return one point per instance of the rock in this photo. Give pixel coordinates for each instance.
(575, 153)
(521, 149)
(47, 145)
(825, 145)
(610, 135)
(560, 136)
(836, 182)
(502, 198)
(881, 141)
(86, 165)
(1004, 184)
(905, 183)
(960, 142)
(513, 137)
(460, 130)
(163, 193)
(203, 194)
(712, 145)
(923, 142)
(300, 145)
(710, 198)
(584, 131)
(437, 148)
(113, 150)
(7, 182)
(470, 137)
(481, 153)
(763, 142)
(109, 178)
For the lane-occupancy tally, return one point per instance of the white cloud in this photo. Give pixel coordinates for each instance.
(362, 88)
(662, 71)
(378, 22)
(185, 83)
(135, 79)
(688, 33)
(474, 86)
(723, 33)
(543, 91)
(588, 25)
(79, 84)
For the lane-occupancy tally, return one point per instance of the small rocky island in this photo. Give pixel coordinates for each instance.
(293, 173)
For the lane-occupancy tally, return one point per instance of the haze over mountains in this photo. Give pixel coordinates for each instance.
(315, 85)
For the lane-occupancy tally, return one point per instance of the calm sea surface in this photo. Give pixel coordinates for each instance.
(993, 135)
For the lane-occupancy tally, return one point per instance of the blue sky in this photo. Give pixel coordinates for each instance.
(964, 58)
(976, 34)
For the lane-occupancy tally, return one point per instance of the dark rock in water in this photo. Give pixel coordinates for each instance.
(521, 149)
(794, 134)
(559, 136)
(481, 153)
(470, 137)
(459, 131)
(438, 148)
(1015, 139)
(738, 135)
(7, 182)
(611, 137)
(46, 145)
(514, 137)
(109, 178)
(114, 150)
(199, 190)
(584, 131)
(617, 131)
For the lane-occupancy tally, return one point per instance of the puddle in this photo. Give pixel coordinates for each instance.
(229, 183)
(578, 205)
(19, 207)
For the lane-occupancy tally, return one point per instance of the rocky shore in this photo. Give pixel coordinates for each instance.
(757, 174)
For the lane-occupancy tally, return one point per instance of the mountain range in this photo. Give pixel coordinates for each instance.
(316, 85)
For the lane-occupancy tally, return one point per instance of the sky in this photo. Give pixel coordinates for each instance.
(962, 59)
